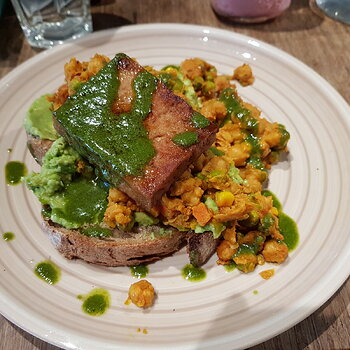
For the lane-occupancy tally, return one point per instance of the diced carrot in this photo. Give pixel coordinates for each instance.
(201, 213)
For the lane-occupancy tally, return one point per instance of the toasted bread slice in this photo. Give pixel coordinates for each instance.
(143, 245)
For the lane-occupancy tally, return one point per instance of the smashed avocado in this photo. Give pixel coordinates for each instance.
(73, 200)
(144, 219)
(58, 167)
(38, 120)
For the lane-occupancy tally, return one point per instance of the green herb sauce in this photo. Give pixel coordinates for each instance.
(95, 303)
(14, 171)
(235, 109)
(285, 136)
(193, 274)
(230, 267)
(186, 139)
(199, 120)
(118, 145)
(216, 151)
(48, 272)
(140, 271)
(287, 225)
(289, 230)
(96, 231)
(8, 236)
(83, 201)
(255, 153)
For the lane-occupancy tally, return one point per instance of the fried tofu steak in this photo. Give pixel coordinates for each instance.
(138, 134)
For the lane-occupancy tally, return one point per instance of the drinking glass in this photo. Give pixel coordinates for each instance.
(336, 9)
(46, 23)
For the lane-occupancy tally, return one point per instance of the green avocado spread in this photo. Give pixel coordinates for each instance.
(60, 187)
(38, 120)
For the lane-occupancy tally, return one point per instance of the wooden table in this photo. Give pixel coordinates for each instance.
(321, 43)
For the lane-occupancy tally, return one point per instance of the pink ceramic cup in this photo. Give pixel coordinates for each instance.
(250, 11)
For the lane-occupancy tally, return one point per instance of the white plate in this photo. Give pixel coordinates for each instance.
(221, 311)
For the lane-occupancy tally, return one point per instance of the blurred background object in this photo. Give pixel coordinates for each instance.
(46, 23)
(336, 9)
(249, 11)
(2, 6)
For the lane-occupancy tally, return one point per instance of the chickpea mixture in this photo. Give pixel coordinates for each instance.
(221, 191)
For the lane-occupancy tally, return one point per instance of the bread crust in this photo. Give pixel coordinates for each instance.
(123, 249)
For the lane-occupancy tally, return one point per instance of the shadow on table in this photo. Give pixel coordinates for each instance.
(102, 21)
(298, 17)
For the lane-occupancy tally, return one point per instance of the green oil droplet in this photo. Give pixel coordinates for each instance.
(8, 236)
(14, 171)
(193, 274)
(48, 272)
(95, 303)
(139, 271)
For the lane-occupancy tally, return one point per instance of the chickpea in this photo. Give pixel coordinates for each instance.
(142, 294)
(275, 251)
(225, 250)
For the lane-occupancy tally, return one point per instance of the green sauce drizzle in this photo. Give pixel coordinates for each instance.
(199, 120)
(231, 266)
(48, 272)
(92, 203)
(8, 236)
(193, 274)
(118, 145)
(235, 109)
(287, 225)
(14, 171)
(289, 230)
(95, 303)
(216, 151)
(139, 271)
(285, 136)
(186, 139)
(255, 154)
(96, 231)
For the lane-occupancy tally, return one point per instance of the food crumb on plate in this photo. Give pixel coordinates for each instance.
(267, 274)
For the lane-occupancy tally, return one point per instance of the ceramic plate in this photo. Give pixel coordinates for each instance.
(222, 311)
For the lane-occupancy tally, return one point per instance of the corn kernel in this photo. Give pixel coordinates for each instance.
(224, 198)
(274, 211)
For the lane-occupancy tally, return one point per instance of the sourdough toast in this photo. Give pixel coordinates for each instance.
(142, 245)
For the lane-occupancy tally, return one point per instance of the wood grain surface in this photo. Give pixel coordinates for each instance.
(321, 43)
